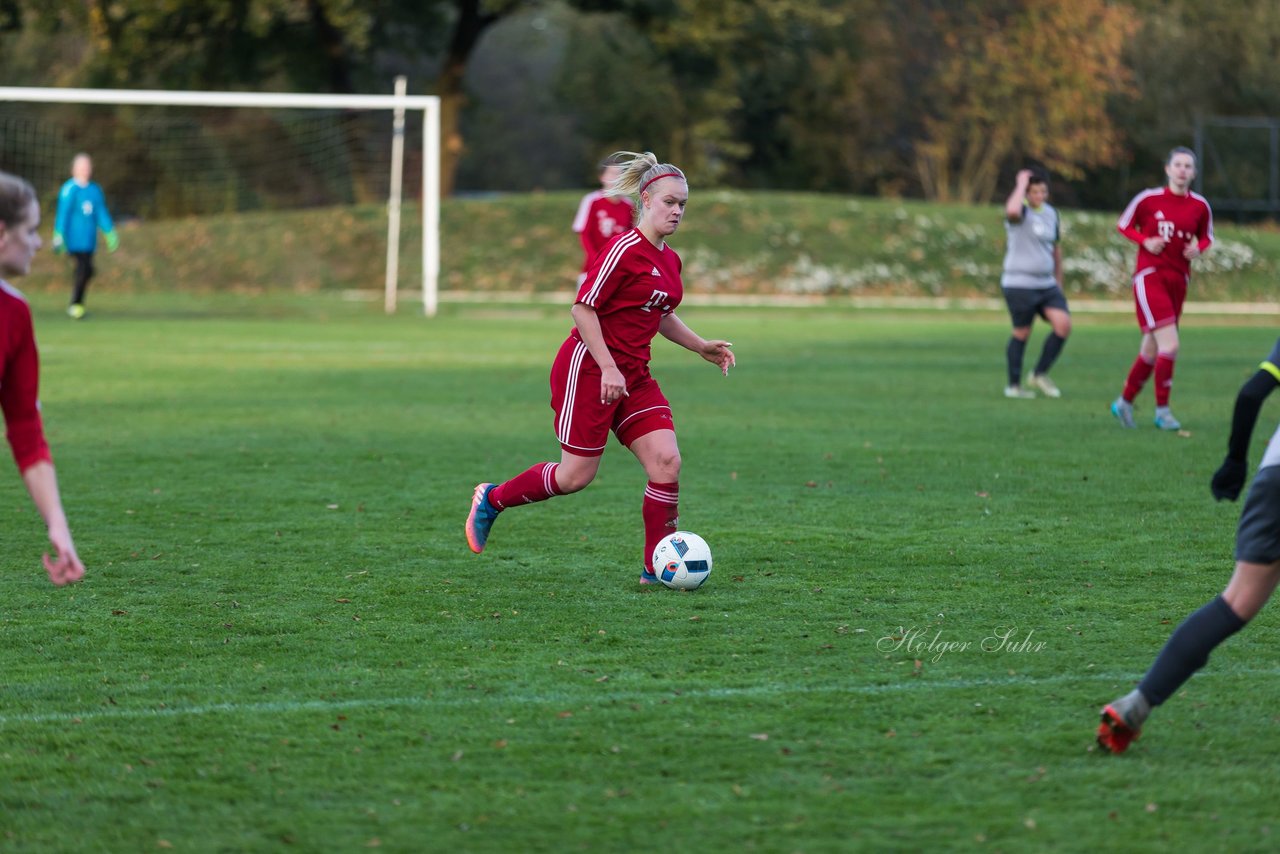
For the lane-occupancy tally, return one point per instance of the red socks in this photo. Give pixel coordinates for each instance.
(536, 484)
(660, 510)
(1138, 376)
(1164, 378)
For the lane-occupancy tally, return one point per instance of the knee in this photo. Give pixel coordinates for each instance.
(665, 468)
(1062, 328)
(574, 480)
(1259, 387)
(1022, 333)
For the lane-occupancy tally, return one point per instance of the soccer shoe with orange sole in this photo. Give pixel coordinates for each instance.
(647, 577)
(1114, 733)
(481, 517)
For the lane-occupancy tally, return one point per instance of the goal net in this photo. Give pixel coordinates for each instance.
(320, 175)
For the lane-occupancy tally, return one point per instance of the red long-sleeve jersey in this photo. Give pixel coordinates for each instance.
(20, 380)
(1160, 212)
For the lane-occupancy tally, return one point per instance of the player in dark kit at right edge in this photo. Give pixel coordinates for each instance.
(1172, 226)
(1256, 573)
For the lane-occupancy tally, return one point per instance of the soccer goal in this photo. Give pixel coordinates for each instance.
(169, 155)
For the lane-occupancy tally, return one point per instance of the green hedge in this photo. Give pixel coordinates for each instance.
(731, 242)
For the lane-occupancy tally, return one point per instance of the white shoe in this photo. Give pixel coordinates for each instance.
(1042, 382)
(1123, 411)
(1017, 392)
(1165, 420)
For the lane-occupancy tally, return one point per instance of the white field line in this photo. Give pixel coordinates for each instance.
(914, 684)
(1081, 306)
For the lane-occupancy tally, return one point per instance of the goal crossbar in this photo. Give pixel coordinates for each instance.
(428, 104)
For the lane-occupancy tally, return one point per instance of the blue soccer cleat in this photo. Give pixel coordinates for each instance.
(647, 577)
(481, 517)
(1123, 411)
(1165, 420)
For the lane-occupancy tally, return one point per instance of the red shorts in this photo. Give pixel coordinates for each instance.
(583, 423)
(1158, 295)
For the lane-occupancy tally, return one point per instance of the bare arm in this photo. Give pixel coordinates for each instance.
(612, 384)
(1057, 263)
(42, 482)
(716, 352)
(1017, 198)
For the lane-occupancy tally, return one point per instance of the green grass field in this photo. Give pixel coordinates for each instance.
(283, 642)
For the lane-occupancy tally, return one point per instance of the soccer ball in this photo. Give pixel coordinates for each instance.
(682, 560)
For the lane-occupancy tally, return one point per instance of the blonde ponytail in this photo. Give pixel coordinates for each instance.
(636, 170)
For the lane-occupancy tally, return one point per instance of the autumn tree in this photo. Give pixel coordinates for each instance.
(989, 83)
(340, 46)
(692, 68)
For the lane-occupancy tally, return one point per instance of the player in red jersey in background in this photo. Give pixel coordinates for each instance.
(601, 217)
(600, 380)
(1172, 226)
(20, 376)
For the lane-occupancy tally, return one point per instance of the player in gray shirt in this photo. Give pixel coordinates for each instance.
(1032, 282)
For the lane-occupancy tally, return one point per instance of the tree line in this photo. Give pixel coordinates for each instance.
(940, 99)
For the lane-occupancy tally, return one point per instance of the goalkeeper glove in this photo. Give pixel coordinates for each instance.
(1228, 480)
(59, 245)
(113, 241)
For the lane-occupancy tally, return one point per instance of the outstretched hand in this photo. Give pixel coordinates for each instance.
(719, 353)
(65, 568)
(1228, 480)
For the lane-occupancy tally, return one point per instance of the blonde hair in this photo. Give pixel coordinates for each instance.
(636, 170)
(16, 196)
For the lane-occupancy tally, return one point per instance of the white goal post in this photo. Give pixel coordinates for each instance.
(398, 103)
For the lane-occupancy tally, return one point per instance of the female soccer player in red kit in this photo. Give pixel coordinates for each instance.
(1172, 226)
(20, 376)
(600, 380)
(601, 217)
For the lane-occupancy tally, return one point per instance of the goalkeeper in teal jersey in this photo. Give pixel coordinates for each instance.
(82, 210)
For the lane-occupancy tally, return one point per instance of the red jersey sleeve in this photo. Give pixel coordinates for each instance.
(1132, 216)
(605, 274)
(1205, 231)
(20, 382)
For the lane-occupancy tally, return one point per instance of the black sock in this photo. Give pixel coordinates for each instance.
(1049, 354)
(1013, 353)
(1188, 649)
(1248, 404)
(84, 272)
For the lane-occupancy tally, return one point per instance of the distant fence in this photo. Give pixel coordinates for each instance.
(1239, 163)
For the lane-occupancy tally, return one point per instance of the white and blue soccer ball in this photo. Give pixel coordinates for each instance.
(682, 560)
